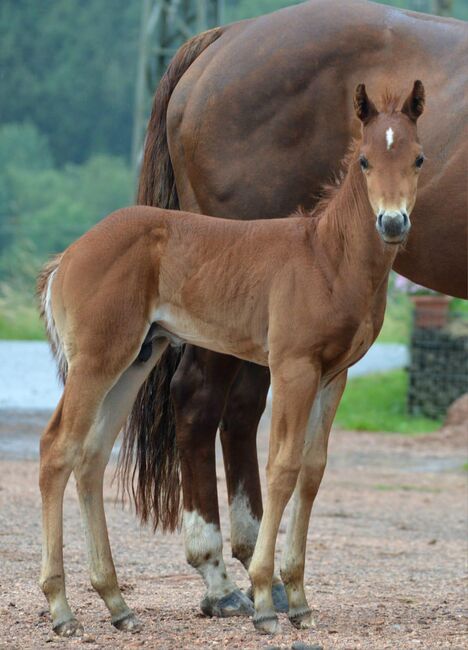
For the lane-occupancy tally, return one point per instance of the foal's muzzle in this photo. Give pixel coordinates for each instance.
(393, 226)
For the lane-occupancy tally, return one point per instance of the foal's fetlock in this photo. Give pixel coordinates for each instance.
(299, 612)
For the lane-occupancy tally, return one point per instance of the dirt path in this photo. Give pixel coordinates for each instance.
(385, 568)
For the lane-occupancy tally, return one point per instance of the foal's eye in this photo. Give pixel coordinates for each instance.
(419, 161)
(363, 162)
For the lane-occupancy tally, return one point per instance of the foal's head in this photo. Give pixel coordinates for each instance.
(391, 157)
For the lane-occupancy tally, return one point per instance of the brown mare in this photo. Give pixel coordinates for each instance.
(304, 296)
(250, 119)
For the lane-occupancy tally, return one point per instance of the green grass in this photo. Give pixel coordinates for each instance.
(20, 320)
(385, 487)
(378, 403)
(397, 322)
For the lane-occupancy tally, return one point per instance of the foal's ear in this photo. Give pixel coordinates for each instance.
(414, 103)
(364, 107)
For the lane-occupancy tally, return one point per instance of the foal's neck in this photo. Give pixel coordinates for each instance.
(347, 235)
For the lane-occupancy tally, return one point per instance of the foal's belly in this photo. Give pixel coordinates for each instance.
(223, 338)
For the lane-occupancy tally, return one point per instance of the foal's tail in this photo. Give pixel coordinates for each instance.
(44, 294)
(148, 467)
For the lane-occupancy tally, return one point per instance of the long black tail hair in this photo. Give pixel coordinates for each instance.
(148, 467)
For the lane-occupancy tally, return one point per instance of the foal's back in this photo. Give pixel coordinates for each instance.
(191, 273)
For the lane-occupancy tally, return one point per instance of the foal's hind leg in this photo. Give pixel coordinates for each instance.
(84, 420)
(89, 473)
(310, 476)
(60, 447)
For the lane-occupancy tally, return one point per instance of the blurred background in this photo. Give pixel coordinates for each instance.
(77, 77)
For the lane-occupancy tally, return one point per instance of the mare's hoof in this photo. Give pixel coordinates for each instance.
(266, 624)
(129, 623)
(280, 597)
(69, 628)
(234, 604)
(301, 618)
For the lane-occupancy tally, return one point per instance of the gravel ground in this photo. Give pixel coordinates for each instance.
(385, 568)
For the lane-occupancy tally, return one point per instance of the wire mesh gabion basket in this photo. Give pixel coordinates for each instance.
(438, 369)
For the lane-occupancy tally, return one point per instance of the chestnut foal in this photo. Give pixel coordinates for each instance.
(304, 296)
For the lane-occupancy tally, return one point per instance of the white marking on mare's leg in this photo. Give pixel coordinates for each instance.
(389, 137)
(204, 551)
(244, 528)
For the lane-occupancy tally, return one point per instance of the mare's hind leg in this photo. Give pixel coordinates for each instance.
(89, 473)
(60, 448)
(312, 468)
(244, 408)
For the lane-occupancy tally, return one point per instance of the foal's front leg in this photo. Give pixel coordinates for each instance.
(294, 385)
(310, 476)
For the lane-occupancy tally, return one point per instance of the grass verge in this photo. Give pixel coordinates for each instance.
(378, 403)
(397, 322)
(19, 320)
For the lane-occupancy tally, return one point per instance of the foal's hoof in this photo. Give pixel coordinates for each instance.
(266, 624)
(280, 597)
(69, 628)
(301, 618)
(234, 604)
(129, 623)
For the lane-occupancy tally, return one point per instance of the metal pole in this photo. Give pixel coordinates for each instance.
(139, 109)
(165, 25)
(443, 7)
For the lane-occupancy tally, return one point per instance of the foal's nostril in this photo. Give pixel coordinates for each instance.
(379, 218)
(405, 219)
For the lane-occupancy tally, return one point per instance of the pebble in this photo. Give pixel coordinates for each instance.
(87, 638)
(299, 645)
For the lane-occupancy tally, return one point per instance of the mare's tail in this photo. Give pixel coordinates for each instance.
(149, 462)
(44, 294)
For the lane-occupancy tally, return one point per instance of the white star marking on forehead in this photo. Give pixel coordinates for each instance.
(389, 138)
